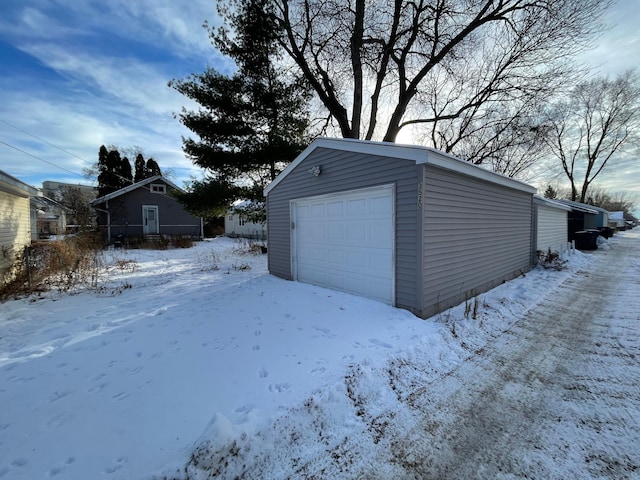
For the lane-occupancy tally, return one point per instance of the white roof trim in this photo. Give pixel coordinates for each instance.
(16, 187)
(551, 203)
(133, 186)
(582, 207)
(419, 154)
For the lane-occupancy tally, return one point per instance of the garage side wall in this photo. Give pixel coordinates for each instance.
(342, 171)
(552, 229)
(476, 235)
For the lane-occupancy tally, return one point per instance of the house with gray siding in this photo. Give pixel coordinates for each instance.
(410, 226)
(145, 209)
(551, 224)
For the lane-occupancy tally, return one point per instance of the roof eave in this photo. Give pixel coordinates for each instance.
(418, 154)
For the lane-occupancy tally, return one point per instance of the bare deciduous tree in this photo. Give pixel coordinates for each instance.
(613, 202)
(378, 66)
(77, 201)
(593, 127)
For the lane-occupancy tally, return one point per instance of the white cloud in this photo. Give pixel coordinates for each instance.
(618, 49)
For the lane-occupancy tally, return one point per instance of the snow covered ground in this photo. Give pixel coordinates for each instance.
(196, 363)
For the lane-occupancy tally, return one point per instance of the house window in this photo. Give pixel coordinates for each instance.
(241, 221)
(231, 218)
(158, 188)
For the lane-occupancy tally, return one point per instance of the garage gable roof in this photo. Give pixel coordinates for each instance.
(419, 154)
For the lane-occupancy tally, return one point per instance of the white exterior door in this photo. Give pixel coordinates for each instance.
(150, 223)
(345, 241)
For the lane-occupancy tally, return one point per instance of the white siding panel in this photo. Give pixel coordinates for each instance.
(552, 229)
(15, 229)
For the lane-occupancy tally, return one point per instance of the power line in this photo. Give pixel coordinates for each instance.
(44, 141)
(41, 159)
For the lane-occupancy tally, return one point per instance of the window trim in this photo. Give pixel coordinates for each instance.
(158, 188)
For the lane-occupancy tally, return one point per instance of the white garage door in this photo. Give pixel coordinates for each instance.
(345, 241)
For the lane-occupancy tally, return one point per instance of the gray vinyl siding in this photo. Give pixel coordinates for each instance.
(476, 235)
(552, 230)
(126, 213)
(343, 171)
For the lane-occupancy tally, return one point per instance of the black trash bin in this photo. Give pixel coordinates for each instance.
(606, 232)
(587, 239)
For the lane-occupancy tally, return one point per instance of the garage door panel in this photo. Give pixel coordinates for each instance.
(356, 208)
(381, 206)
(335, 209)
(335, 232)
(346, 242)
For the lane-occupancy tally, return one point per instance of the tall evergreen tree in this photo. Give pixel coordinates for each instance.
(114, 172)
(251, 124)
(152, 168)
(140, 169)
(550, 193)
(125, 174)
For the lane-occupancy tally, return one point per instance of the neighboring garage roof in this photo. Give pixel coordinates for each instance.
(419, 154)
(582, 207)
(551, 203)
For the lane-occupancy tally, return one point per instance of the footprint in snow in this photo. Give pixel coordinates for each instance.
(255, 348)
(136, 370)
(380, 343)
(55, 396)
(112, 469)
(55, 471)
(263, 373)
(98, 388)
(279, 387)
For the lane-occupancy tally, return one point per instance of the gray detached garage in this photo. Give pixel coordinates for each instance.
(410, 226)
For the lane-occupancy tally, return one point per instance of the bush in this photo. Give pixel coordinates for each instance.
(551, 260)
(61, 264)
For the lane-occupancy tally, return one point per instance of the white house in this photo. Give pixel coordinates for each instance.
(15, 221)
(237, 225)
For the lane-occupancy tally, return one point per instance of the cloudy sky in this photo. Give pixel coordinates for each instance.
(77, 75)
